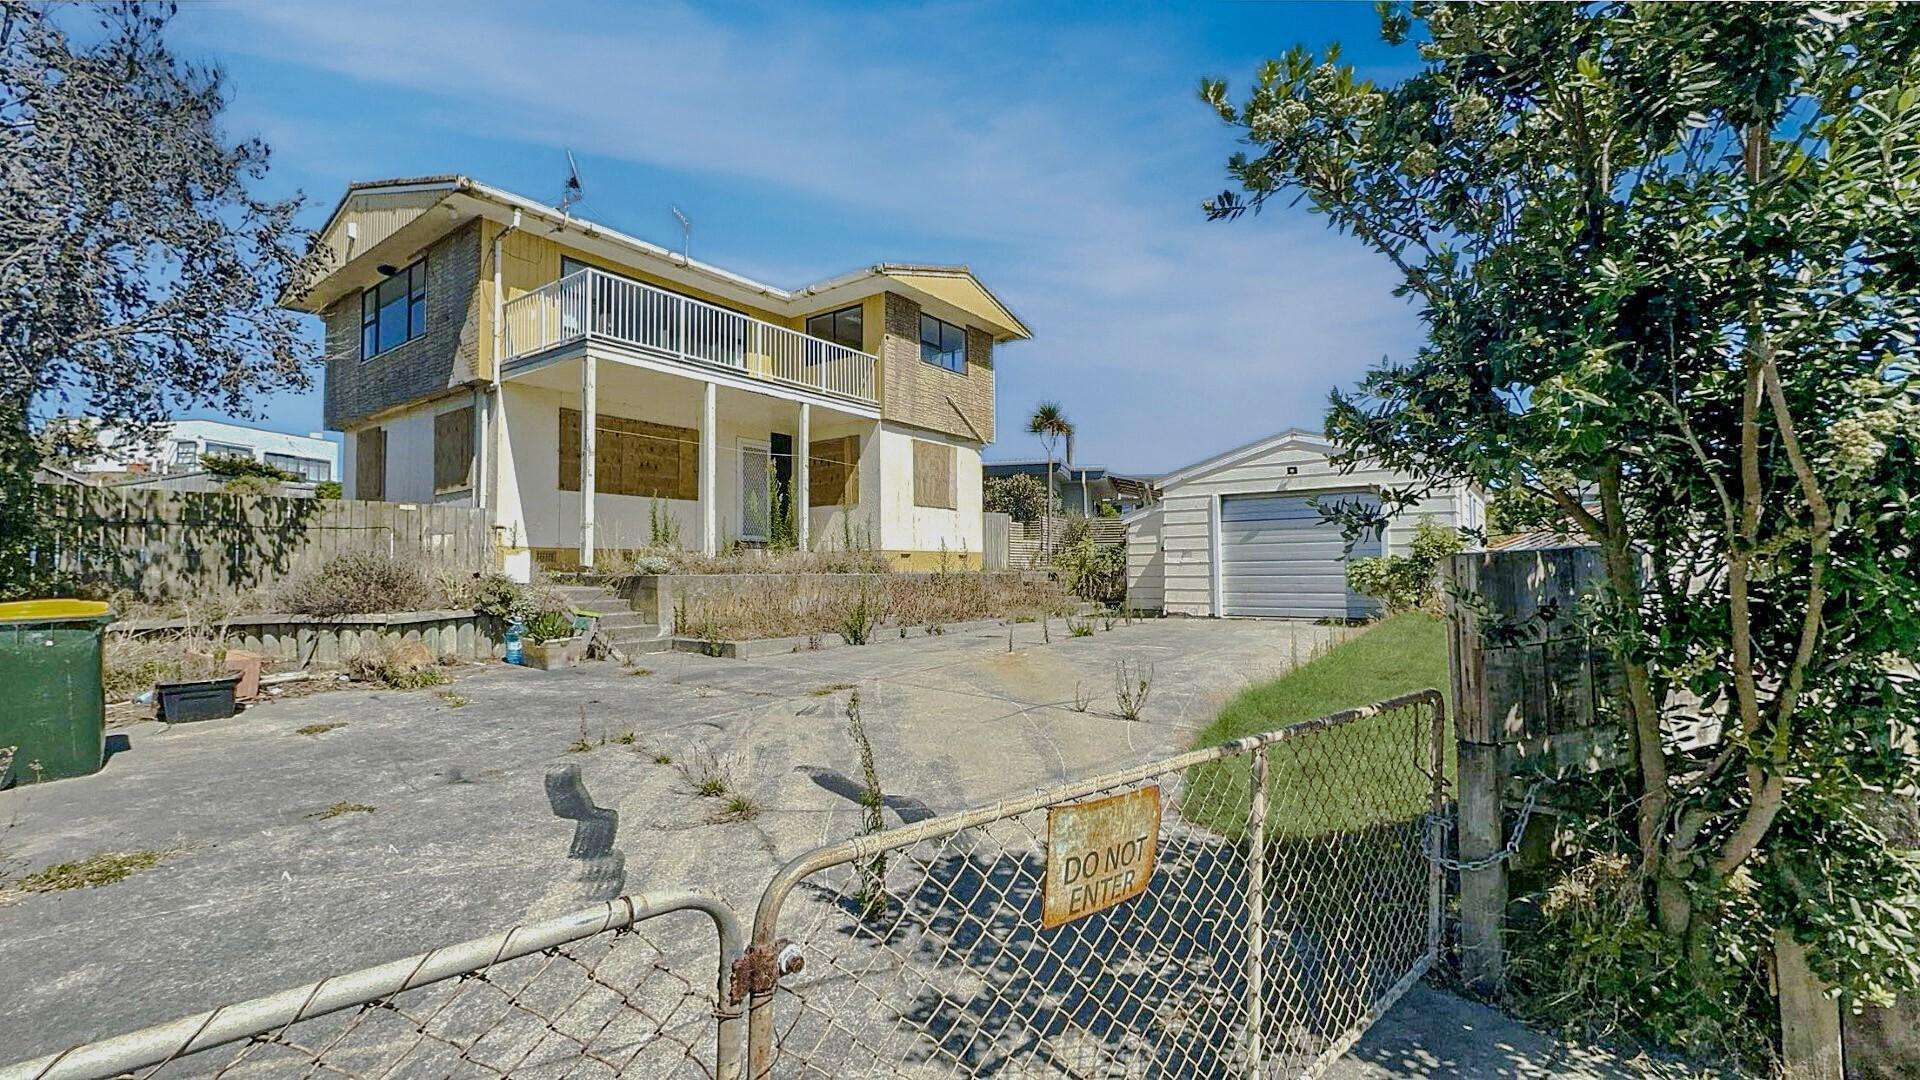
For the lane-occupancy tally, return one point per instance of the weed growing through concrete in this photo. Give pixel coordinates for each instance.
(453, 700)
(1079, 627)
(316, 729)
(1082, 700)
(340, 808)
(640, 671)
(1132, 683)
(661, 757)
(872, 892)
(738, 807)
(830, 688)
(706, 775)
(88, 873)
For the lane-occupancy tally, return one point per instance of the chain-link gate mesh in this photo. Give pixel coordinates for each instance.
(924, 952)
(591, 994)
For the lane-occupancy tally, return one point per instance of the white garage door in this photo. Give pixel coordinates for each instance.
(1280, 558)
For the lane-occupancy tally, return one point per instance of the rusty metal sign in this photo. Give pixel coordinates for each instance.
(1099, 854)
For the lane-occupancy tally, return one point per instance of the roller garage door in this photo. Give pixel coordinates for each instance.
(1280, 559)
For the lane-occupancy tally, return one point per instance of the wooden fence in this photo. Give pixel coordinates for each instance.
(166, 544)
(1027, 540)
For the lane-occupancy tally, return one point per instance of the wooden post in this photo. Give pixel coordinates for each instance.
(802, 500)
(589, 421)
(709, 453)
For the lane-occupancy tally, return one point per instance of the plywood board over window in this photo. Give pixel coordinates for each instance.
(933, 475)
(453, 451)
(632, 457)
(833, 476)
(370, 464)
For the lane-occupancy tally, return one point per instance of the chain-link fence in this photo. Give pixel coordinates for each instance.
(587, 994)
(1288, 901)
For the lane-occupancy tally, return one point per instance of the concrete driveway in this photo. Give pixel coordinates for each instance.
(262, 888)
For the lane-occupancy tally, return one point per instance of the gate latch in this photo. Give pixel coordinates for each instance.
(759, 968)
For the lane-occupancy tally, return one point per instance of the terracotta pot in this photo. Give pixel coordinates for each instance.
(249, 665)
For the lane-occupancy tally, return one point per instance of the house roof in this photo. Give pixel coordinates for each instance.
(935, 286)
(1238, 454)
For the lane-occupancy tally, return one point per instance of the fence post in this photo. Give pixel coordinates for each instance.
(1436, 831)
(1256, 911)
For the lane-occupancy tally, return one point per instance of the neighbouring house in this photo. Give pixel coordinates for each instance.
(1238, 534)
(182, 446)
(1082, 489)
(591, 390)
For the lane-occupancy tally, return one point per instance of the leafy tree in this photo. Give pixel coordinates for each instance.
(1049, 421)
(1020, 497)
(1669, 265)
(139, 273)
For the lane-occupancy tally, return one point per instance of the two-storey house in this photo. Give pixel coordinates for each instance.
(593, 392)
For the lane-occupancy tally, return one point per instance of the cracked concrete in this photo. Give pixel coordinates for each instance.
(255, 895)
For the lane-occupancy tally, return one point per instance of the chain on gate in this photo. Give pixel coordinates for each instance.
(1282, 914)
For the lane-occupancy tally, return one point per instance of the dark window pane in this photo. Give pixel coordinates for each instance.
(367, 307)
(930, 331)
(393, 323)
(369, 340)
(849, 329)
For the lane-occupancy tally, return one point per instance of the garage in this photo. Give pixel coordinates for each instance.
(1279, 558)
(1238, 535)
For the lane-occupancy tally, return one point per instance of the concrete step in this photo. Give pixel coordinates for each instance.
(636, 643)
(574, 594)
(616, 620)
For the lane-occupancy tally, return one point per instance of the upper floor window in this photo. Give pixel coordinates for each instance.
(841, 327)
(395, 311)
(943, 343)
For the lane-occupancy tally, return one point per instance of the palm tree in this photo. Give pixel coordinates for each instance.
(1050, 422)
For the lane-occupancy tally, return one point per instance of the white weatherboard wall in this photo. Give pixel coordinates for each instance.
(1146, 562)
(1188, 519)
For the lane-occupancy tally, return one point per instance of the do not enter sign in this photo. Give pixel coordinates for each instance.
(1099, 854)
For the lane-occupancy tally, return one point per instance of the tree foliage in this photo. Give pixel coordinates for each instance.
(139, 273)
(1668, 260)
(1020, 497)
(1407, 582)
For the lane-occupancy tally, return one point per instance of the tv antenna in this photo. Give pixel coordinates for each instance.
(686, 234)
(573, 192)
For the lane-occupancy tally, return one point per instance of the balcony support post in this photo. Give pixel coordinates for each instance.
(802, 499)
(709, 466)
(589, 421)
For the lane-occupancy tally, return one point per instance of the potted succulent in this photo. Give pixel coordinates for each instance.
(552, 641)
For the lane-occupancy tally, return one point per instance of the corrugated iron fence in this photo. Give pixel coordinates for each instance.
(1247, 909)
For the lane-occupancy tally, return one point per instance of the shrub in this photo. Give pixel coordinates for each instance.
(550, 625)
(359, 583)
(1076, 530)
(1096, 572)
(235, 466)
(1406, 582)
(859, 615)
(1020, 496)
(329, 489)
(502, 597)
(400, 667)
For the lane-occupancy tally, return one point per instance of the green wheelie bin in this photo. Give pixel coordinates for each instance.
(54, 711)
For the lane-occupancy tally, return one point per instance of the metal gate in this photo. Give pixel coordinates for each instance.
(1288, 901)
(586, 994)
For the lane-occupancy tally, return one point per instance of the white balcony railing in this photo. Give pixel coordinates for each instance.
(590, 303)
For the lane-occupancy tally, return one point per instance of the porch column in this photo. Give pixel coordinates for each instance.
(709, 465)
(589, 420)
(802, 464)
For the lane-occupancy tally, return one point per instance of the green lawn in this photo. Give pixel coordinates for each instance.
(1356, 776)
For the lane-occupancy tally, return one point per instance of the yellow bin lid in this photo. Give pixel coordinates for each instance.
(36, 611)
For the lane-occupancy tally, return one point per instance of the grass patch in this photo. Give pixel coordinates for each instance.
(88, 873)
(738, 807)
(1358, 776)
(640, 671)
(340, 808)
(830, 688)
(316, 729)
(453, 700)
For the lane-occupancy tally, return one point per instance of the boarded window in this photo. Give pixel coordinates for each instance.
(632, 457)
(453, 450)
(833, 474)
(370, 464)
(933, 475)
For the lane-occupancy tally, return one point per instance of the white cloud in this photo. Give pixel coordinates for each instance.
(1064, 163)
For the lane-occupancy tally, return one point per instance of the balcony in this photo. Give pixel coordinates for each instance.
(591, 304)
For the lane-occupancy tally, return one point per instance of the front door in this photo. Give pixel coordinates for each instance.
(756, 485)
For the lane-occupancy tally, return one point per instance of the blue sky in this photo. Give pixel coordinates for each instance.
(1058, 150)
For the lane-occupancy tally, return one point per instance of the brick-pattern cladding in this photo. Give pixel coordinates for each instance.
(445, 356)
(916, 392)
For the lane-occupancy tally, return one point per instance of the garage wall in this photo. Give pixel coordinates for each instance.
(1146, 562)
(1187, 526)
